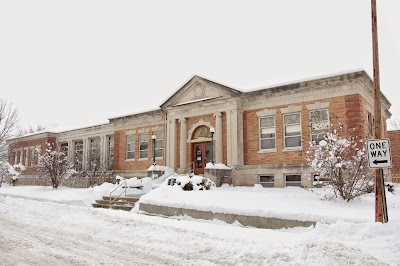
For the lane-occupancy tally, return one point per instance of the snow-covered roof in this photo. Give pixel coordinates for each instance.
(136, 113)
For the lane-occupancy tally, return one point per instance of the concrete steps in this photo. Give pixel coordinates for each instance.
(119, 203)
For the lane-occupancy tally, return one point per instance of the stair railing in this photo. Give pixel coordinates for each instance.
(191, 168)
(117, 197)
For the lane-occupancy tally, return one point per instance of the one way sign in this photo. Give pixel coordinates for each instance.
(379, 153)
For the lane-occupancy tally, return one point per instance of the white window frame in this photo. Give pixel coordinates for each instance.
(63, 150)
(133, 142)
(269, 183)
(259, 133)
(32, 155)
(110, 152)
(327, 121)
(370, 122)
(81, 143)
(38, 151)
(292, 183)
(284, 132)
(159, 140)
(144, 150)
(94, 152)
(21, 156)
(15, 157)
(26, 157)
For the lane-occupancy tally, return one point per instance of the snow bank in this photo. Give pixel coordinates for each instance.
(286, 203)
(65, 195)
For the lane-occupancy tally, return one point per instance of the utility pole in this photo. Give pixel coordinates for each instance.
(380, 197)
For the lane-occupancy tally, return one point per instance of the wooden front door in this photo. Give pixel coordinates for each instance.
(201, 156)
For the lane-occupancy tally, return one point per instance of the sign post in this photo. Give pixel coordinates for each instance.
(380, 198)
(379, 156)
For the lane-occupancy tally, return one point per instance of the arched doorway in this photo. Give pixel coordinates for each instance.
(201, 149)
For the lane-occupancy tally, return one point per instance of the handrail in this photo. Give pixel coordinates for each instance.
(191, 167)
(124, 191)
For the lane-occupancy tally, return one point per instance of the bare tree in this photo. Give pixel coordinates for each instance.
(30, 130)
(8, 123)
(395, 124)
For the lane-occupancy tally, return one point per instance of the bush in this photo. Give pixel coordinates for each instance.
(343, 165)
(193, 183)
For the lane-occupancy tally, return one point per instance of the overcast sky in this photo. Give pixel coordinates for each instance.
(77, 63)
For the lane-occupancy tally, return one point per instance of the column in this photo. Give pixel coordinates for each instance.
(235, 138)
(71, 153)
(102, 150)
(182, 161)
(218, 137)
(85, 158)
(171, 143)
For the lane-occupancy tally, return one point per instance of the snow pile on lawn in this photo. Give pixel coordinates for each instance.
(81, 196)
(286, 203)
(66, 195)
(146, 183)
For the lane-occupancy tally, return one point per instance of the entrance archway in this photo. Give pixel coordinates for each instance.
(201, 148)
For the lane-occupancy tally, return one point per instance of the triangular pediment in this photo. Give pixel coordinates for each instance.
(199, 89)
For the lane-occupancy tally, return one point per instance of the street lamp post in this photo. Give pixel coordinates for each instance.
(212, 131)
(154, 148)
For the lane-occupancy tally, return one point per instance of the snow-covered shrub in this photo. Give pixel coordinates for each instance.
(207, 183)
(343, 165)
(13, 170)
(53, 164)
(192, 183)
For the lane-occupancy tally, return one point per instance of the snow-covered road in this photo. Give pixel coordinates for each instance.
(45, 233)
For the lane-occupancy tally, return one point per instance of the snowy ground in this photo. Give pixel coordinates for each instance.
(42, 226)
(290, 203)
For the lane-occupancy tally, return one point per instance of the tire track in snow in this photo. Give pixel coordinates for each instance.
(40, 233)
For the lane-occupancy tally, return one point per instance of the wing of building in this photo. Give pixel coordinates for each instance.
(262, 134)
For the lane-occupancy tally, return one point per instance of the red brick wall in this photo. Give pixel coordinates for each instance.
(344, 110)
(26, 145)
(120, 162)
(394, 137)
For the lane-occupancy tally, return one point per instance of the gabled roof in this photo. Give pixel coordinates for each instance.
(197, 85)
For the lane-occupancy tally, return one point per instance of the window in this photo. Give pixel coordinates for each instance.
(292, 130)
(159, 143)
(370, 122)
(267, 180)
(94, 155)
(38, 150)
(319, 123)
(26, 154)
(19, 157)
(32, 162)
(78, 147)
(144, 146)
(110, 152)
(267, 133)
(130, 147)
(64, 148)
(293, 180)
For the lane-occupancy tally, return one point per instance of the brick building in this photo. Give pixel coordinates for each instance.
(394, 137)
(262, 134)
